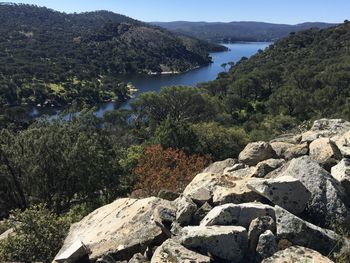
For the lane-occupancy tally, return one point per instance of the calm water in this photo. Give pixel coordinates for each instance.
(146, 83)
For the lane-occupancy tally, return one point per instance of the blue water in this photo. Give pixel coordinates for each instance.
(146, 83)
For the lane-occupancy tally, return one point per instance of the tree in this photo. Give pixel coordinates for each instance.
(176, 135)
(290, 101)
(220, 142)
(55, 162)
(224, 66)
(179, 103)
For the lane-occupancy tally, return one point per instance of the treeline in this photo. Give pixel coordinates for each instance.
(48, 58)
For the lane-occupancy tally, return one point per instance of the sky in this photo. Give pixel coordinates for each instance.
(275, 11)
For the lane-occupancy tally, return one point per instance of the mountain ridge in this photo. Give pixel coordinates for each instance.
(238, 30)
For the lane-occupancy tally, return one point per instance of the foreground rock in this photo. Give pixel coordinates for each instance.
(120, 229)
(328, 201)
(238, 215)
(256, 152)
(222, 242)
(341, 172)
(287, 192)
(297, 254)
(302, 233)
(172, 251)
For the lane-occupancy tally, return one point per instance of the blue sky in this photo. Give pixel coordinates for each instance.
(277, 11)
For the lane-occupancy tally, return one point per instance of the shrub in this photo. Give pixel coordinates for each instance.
(39, 234)
(166, 169)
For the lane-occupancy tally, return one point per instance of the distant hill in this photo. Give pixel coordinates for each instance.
(237, 31)
(53, 58)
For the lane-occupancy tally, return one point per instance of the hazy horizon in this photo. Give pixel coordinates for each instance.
(222, 11)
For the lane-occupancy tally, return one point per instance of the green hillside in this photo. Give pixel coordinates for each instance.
(52, 58)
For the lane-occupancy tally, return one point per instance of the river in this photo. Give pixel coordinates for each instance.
(146, 83)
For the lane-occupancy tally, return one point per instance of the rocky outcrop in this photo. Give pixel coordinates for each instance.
(173, 251)
(120, 229)
(215, 240)
(256, 152)
(297, 254)
(286, 191)
(278, 195)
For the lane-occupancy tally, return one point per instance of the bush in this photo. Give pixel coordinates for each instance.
(166, 169)
(39, 234)
(220, 142)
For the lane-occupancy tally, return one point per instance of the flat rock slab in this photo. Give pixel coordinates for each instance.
(172, 251)
(286, 191)
(297, 254)
(237, 193)
(120, 229)
(237, 215)
(224, 242)
(302, 233)
(220, 189)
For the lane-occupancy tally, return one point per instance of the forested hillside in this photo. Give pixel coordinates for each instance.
(237, 31)
(304, 76)
(53, 58)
